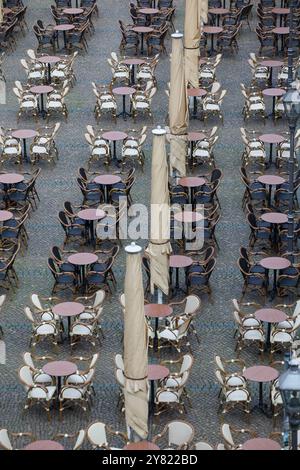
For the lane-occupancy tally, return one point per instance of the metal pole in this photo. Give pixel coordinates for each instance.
(290, 236)
(290, 48)
(294, 429)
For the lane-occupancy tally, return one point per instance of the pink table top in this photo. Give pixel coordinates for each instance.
(191, 181)
(83, 259)
(64, 27)
(157, 372)
(91, 214)
(188, 217)
(114, 135)
(40, 89)
(271, 138)
(11, 178)
(124, 90)
(44, 445)
(196, 92)
(133, 61)
(280, 11)
(60, 368)
(271, 63)
(5, 215)
(142, 29)
(49, 59)
(270, 315)
(274, 218)
(281, 30)
(148, 11)
(180, 261)
(6, 11)
(202, 61)
(260, 373)
(68, 309)
(24, 133)
(261, 443)
(107, 179)
(73, 11)
(158, 310)
(275, 262)
(212, 29)
(141, 445)
(195, 136)
(271, 180)
(218, 11)
(274, 92)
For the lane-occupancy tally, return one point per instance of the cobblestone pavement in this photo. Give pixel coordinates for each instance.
(58, 184)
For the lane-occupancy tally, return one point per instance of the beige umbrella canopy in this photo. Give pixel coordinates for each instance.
(135, 345)
(159, 247)
(1, 11)
(195, 15)
(178, 107)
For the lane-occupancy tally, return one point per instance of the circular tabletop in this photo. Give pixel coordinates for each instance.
(212, 29)
(49, 59)
(68, 309)
(218, 11)
(44, 445)
(271, 63)
(114, 135)
(11, 178)
(107, 179)
(142, 29)
(141, 445)
(274, 92)
(275, 262)
(274, 218)
(5, 215)
(280, 11)
(64, 27)
(261, 443)
(158, 310)
(157, 372)
(24, 133)
(91, 214)
(195, 136)
(202, 61)
(271, 138)
(271, 180)
(196, 92)
(270, 315)
(281, 30)
(6, 11)
(191, 181)
(188, 217)
(180, 261)
(132, 61)
(83, 259)
(40, 89)
(73, 11)
(260, 373)
(60, 368)
(124, 90)
(148, 11)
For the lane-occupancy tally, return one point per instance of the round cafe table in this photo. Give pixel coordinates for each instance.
(132, 62)
(59, 369)
(192, 138)
(6, 11)
(261, 443)
(275, 93)
(280, 13)
(9, 179)
(218, 12)
(81, 261)
(178, 262)
(196, 93)
(42, 90)
(271, 139)
(212, 30)
(24, 134)
(124, 91)
(155, 372)
(106, 181)
(114, 136)
(68, 310)
(49, 60)
(64, 28)
(5, 215)
(276, 263)
(44, 445)
(157, 311)
(271, 64)
(148, 12)
(281, 31)
(73, 11)
(269, 316)
(142, 30)
(90, 216)
(276, 219)
(141, 445)
(261, 374)
(270, 180)
(191, 182)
